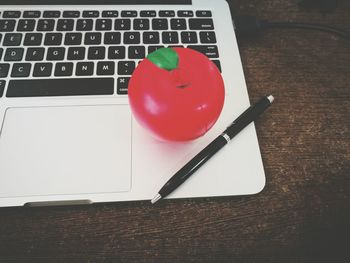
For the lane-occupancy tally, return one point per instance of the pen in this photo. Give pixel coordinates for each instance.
(248, 116)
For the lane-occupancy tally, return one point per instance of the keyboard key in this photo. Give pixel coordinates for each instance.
(148, 13)
(55, 53)
(207, 37)
(73, 39)
(159, 24)
(33, 39)
(174, 46)
(53, 39)
(151, 49)
(110, 14)
(167, 13)
(185, 13)
(141, 24)
(46, 25)
(96, 53)
(7, 25)
(1, 51)
(60, 87)
(26, 25)
(218, 64)
(2, 87)
(84, 69)
(122, 24)
(132, 38)
(189, 37)
(126, 67)
(13, 54)
(84, 24)
(103, 24)
(20, 70)
(12, 39)
(105, 68)
(91, 14)
(201, 24)
(48, 14)
(93, 38)
(203, 13)
(11, 14)
(178, 24)
(122, 85)
(112, 38)
(137, 52)
(116, 52)
(150, 37)
(170, 37)
(4, 70)
(42, 70)
(76, 53)
(35, 54)
(64, 69)
(31, 14)
(209, 51)
(65, 25)
(68, 14)
(129, 14)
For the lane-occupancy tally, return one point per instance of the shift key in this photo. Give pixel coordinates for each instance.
(209, 51)
(2, 86)
(201, 24)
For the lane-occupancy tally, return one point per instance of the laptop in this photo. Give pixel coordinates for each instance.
(67, 135)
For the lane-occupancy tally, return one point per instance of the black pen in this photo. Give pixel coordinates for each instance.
(250, 115)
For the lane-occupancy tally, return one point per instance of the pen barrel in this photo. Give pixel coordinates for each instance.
(248, 116)
(203, 156)
(193, 165)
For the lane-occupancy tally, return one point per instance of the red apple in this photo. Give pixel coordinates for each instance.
(177, 94)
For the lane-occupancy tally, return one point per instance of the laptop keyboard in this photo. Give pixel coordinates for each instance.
(78, 53)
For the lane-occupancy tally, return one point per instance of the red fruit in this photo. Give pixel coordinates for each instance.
(177, 94)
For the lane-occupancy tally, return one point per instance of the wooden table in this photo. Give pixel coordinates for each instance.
(302, 215)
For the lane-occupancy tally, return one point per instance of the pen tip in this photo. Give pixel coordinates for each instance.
(270, 98)
(156, 198)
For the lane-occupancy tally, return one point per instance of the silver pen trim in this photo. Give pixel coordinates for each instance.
(270, 98)
(156, 198)
(226, 137)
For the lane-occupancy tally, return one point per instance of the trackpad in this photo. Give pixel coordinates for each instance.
(65, 150)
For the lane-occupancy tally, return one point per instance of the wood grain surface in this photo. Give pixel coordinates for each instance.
(302, 215)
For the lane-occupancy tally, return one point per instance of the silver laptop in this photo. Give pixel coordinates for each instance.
(66, 131)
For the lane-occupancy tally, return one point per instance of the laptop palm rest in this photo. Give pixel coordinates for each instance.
(65, 150)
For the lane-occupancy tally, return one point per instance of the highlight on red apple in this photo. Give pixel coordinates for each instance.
(176, 93)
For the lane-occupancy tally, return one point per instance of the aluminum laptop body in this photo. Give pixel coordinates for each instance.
(67, 135)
